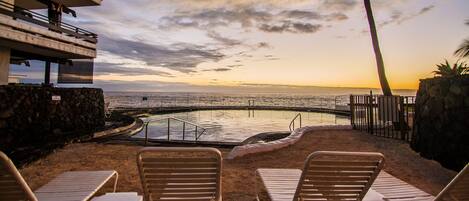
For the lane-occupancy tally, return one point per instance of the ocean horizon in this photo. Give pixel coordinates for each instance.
(322, 97)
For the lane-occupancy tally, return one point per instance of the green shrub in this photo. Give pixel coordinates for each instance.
(446, 70)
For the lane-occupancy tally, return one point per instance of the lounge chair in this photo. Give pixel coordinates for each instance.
(180, 173)
(458, 188)
(69, 186)
(327, 175)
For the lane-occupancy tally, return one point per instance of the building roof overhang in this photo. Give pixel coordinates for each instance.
(33, 4)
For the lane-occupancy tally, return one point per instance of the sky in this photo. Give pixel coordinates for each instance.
(204, 45)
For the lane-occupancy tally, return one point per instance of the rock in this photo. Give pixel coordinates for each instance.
(441, 121)
(455, 89)
(57, 131)
(435, 91)
(29, 119)
(452, 102)
(6, 113)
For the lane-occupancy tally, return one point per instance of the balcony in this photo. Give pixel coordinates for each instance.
(31, 35)
(34, 4)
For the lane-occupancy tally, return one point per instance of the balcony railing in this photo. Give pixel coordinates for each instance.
(41, 20)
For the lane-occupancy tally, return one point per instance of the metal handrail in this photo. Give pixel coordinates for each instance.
(42, 20)
(292, 123)
(184, 122)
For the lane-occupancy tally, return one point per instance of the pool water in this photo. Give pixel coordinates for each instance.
(233, 125)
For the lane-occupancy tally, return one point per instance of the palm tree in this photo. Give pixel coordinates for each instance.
(463, 50)
(379, 58)
(446, 70)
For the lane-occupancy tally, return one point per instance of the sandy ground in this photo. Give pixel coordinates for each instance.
(238, 175)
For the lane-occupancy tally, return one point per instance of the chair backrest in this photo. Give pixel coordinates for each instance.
(12, 185)
(180, 173)
(458, 188)
(332, 175)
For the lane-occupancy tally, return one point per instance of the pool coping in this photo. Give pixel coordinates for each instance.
(294, 137)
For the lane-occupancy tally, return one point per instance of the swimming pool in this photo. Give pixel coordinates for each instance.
(233, 125)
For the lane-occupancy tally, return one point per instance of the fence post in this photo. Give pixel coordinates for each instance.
(169, 126)
(370, 113)
(146, 133)
(183, 130)
(352, 111)
(402, 122)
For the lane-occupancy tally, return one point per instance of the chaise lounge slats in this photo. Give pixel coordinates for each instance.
(325, 176)
(12, 184)
(180, 174)
(393, 188)
(458, 188)
(69, 186)
(280, 184)
(76, 185)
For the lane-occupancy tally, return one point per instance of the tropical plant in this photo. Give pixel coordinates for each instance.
(446, 70)
(463, 50)
(379, 57)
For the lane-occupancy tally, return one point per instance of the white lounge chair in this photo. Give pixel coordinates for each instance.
(458, 188)
(181, 174)
(326, 175)
(394, 189)
(69, 186)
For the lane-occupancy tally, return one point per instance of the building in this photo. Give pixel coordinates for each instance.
(27, 35)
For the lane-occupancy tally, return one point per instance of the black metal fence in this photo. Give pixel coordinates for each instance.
(384, 116)
(26, 15)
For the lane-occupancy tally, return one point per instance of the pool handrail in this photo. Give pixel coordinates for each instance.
(184, 122)
(292, 123)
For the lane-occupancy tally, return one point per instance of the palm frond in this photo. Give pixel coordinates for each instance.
(463, 50)
(447, 70)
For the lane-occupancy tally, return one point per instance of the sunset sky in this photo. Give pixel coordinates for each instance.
(150, 45)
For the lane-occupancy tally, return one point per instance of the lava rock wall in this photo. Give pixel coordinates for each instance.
(441, 126)
(34, 120)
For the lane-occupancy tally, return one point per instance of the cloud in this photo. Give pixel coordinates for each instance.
(426, 9)
(214, 4)
(151, 42)
(263, 45)
(312, 15)
(180, 57)
(397, 17)
(339, 4)
(215, 18)
(285, 20)
(224, 40)
(234, 65)
(300, 14)
(336, 17)
(110, 68)
(292, 27)
(218, 69)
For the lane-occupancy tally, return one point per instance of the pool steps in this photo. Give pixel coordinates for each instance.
(294, 137)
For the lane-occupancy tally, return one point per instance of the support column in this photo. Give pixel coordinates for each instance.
(4, 65)
(47, 73)
(5, 54)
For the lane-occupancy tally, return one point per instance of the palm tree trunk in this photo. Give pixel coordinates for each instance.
(379, 58)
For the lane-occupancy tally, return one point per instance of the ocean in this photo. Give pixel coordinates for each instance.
(320, 98)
